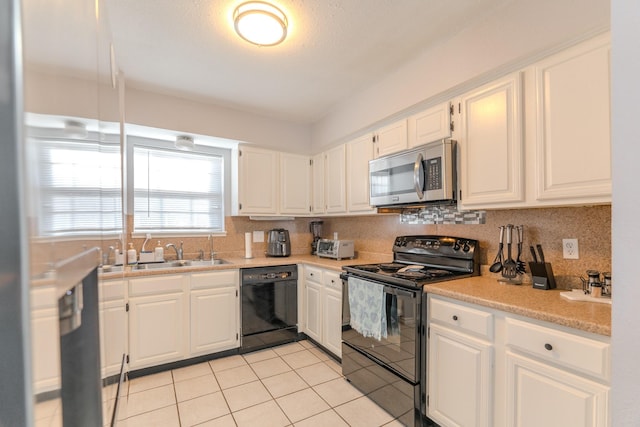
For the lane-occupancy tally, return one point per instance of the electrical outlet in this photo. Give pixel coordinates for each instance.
(570, 249)
(258, 236)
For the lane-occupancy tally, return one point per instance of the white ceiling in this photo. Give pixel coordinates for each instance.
(335, 48)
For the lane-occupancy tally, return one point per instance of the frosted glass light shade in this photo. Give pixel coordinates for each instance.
(260, 23)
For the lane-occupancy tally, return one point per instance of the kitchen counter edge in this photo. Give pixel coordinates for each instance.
(524, 300)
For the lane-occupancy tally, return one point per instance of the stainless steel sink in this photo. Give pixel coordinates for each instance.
(110, 269)
(179, 263)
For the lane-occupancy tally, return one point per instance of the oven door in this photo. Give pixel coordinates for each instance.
(397, 179)
(398, 311)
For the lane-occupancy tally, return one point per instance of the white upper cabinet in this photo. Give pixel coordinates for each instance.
(273, 183)
(335, 180)
(492, 145)
(429, 125)
(391, 139)
(359, 152)
(295, 184)
(573, 141)
(258, 181)
(317, 199)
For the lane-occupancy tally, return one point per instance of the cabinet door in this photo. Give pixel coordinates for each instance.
(45, 339)
(491, 145)
(391, 139)
(113, 336)
(295, 184)
(318, 205)
(313, 313)
(541, 395)
(335, 180)
(573, 125)
(429, 125)
(214, 320)
(156, 329)
(359, 152)
(459, 379)
(258, 177)
(332, 321)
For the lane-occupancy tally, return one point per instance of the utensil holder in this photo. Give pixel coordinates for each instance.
(542, 275)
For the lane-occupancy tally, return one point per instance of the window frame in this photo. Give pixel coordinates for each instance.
(133, 141)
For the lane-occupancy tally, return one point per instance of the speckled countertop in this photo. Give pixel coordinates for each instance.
(486, 291)
(526, 301)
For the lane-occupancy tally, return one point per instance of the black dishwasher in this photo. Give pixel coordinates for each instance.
(269, 306)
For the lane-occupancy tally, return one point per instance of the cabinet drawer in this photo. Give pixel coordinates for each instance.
(566, 349)
(462, 318)
(214, 279)
(112, 290)
(155, 285)
(332, 280)
(313, 274)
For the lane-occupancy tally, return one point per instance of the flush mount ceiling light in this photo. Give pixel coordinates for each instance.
(260, 23)
(184, 143)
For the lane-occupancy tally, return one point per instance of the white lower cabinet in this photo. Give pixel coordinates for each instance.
(214, 312)
(460, 370)
(45, 339)
(491, 368)
(157, 320)
(323, 307)
(113, 325)
(543, 395)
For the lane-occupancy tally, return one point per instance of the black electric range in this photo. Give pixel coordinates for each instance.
(418, 260)
(386, 359)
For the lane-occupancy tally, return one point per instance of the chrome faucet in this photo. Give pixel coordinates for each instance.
(178, 250)
(105, 256)
(213, 254)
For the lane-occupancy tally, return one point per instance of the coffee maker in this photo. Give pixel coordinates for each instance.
(316, 229)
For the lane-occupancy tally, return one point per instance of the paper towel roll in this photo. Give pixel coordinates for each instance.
(247, 245)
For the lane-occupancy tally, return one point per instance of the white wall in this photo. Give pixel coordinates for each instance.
(517, 31)
(625, 26)
(167, 112)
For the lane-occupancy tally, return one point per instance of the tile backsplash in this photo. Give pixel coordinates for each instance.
(374, 234)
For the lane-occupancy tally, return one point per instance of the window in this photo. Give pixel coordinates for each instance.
(77, 187)
(177, 191)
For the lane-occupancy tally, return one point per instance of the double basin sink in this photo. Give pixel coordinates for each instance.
(165, 265)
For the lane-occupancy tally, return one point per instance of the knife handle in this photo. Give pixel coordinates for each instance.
(539, 247)
(533, 254)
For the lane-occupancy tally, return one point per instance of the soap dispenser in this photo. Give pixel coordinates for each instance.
(132, 256)
(158, 253)
(119, 258)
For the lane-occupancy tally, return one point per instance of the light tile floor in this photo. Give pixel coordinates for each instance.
(291, 385)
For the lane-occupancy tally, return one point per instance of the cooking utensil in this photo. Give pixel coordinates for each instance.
(521, 268)
(533, 254)
(496, 267)
(539, 247)
(509, 268)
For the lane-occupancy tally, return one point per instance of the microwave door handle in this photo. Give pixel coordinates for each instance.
(418, 175)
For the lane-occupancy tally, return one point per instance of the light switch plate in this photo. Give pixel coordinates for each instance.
(258, 236)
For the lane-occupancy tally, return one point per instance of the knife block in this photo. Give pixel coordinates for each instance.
(542, 275)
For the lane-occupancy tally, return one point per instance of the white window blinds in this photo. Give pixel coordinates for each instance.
(177, 191)
(78, 188)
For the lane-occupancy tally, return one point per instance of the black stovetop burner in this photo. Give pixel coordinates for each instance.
(419, 260)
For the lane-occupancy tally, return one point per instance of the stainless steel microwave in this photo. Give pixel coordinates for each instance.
(423, 174)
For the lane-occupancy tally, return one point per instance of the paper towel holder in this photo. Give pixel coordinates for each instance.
(248, 241)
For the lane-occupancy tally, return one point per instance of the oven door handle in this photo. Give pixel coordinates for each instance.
(399, 292)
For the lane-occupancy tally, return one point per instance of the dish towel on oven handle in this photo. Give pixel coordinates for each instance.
(367, 307)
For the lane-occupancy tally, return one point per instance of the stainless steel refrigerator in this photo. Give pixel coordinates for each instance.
(60, 207)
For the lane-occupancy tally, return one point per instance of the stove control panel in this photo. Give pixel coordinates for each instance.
(436, 245)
